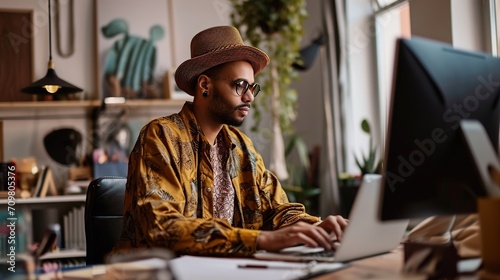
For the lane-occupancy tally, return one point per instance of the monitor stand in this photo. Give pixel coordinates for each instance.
(483, 154)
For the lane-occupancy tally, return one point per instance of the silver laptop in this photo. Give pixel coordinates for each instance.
(365, 236)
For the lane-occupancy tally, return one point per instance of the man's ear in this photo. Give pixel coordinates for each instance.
(203, 83)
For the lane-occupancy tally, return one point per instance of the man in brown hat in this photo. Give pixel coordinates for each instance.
(196, 184)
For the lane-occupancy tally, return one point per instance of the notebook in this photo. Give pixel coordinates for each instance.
(365, 235)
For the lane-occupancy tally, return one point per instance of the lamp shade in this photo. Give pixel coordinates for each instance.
(51, 84)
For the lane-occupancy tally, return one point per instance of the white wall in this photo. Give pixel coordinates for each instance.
(432, 19)
(467, 21)
(310, 119)
(192, 16)
(457, 22)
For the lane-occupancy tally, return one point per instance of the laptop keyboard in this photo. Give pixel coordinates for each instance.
(309, 254)
(300, 253)
(322, 254)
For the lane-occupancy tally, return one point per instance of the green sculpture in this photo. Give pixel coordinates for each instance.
(130, 63)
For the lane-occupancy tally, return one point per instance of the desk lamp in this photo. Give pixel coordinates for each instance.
(51, 83)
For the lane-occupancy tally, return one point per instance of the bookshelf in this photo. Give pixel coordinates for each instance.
(34, 210)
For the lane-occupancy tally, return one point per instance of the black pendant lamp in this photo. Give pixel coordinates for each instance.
(51, 83)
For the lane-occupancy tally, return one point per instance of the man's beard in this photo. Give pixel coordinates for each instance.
(223, 111)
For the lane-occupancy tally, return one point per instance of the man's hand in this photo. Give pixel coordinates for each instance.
(335, 226)
(303, 233)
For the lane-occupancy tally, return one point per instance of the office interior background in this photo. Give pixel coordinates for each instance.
(368, 31)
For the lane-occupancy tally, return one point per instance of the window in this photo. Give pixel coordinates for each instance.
(392, 22)
(379, 5)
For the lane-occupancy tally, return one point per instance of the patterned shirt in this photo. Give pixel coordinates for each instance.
(223, 189)
(169, 199)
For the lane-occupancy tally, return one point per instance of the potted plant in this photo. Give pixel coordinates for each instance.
(367, 164)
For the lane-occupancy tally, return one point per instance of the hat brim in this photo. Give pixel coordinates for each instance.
(190, 69)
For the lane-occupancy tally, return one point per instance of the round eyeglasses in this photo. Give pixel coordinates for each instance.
(242, 86)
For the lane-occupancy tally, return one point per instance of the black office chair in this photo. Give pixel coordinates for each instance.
(103, 216)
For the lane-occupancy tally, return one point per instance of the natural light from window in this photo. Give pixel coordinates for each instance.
(392, 24)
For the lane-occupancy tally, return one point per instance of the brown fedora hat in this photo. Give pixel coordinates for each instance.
(215, 46)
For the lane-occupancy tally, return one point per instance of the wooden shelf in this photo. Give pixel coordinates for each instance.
(64, 254)
(48, 104)
(33, 201)
(80, 108)
(89, 103)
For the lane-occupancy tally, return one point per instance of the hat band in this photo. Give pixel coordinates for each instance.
(224, 47)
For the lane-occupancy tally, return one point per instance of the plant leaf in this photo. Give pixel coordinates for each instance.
(291, 145)
(303, 153)
(365, 126)
(358, 163)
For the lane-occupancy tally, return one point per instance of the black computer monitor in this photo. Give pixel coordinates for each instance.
(427, 168)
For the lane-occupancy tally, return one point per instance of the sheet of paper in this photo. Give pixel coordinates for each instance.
(230, 268)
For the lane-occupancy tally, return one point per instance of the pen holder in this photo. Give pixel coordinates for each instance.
(489, 213)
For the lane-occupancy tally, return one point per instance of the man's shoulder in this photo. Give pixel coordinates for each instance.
(173, 124)
(166, 120)
(179, 119)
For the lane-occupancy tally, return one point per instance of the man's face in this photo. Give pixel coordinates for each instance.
(226, 106)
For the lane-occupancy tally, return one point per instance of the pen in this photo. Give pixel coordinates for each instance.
(263, 266)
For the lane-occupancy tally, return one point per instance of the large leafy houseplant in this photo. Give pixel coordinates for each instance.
(274, 26)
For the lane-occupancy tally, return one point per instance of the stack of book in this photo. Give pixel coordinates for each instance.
(74, 229)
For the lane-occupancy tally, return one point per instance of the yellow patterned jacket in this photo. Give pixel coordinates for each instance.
(169, 201)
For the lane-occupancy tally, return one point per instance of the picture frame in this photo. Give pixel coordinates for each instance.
(45, 184)
(16, 69)
(40, 181)
(134, 51)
